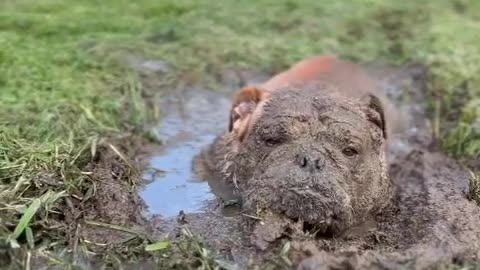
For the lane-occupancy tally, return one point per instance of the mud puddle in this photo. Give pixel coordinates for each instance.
(191, 119)
(189, 124)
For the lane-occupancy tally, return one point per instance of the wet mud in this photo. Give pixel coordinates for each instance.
(429, 224)
(110, 213)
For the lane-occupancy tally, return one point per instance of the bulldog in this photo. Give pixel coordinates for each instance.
(309, 144)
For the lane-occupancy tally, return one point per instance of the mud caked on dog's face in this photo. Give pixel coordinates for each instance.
(309, 154)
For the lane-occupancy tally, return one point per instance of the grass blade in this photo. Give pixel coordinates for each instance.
(122, 157)
(26, 218)
(93, 146)
(157, 246)
(113, 227)
(29, 235)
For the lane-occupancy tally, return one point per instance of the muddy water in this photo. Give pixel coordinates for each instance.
(189, 124)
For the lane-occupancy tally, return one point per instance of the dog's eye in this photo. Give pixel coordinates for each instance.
(272, 142)
(350, 151)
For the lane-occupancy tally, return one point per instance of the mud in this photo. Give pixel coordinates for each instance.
(431, 222)
(110, 200)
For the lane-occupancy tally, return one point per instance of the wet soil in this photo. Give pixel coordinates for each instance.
(111, 199)
(430, 223)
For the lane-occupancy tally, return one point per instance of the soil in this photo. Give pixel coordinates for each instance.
(110, 215)
(430, 223)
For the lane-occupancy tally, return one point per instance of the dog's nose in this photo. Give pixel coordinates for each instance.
(305, 162)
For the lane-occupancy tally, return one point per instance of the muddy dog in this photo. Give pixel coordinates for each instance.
(309, 144)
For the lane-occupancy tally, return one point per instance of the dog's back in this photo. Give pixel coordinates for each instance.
(349, 80)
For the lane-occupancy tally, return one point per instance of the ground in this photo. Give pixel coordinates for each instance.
(77, 103)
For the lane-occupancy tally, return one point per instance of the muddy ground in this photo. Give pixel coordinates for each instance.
(430, 224)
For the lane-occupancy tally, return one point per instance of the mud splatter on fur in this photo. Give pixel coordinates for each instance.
(308, 150)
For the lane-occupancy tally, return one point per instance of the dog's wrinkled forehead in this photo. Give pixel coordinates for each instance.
(297, 106)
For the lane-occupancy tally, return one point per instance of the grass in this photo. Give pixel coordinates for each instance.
(66, 84)
(474, 187)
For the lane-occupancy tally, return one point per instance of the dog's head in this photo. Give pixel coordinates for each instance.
(309, 154)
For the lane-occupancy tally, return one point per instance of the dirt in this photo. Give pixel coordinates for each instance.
(430, 223)
(111, 201)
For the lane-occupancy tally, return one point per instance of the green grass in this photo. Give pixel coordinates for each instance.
(65, 81)
(474, 187)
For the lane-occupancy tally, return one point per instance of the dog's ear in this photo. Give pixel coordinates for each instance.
(375, 112)
(244, 103)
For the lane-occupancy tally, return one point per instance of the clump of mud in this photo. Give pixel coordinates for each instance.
(429, 224)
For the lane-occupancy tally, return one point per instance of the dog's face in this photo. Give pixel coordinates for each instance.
(310, 155)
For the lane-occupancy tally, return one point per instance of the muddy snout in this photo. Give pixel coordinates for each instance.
(307, 188)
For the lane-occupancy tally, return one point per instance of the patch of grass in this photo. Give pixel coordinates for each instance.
(66, 79)
(474, 187)
(190, 253)
(58, 100)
